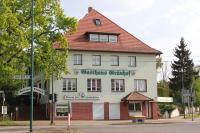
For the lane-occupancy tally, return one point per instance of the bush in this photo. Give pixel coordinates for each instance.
(6, 118)
(163, 107)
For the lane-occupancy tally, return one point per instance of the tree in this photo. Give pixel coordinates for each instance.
(197, 92)
(15, 37)
(163, 84)
(182, 70)
(159, 62)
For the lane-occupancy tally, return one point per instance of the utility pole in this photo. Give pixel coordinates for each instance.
(32, 66)
(3, 95)
(182, 82)
(52, 101)
(192, 99)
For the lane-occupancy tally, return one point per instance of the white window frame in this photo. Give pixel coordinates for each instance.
(114, 60)
(77, 59)
(139, 86)
(72, 82)
(91, 82)
(103, 38)
(94, 37)
(96, 60)
(116, 85)
(132, 61)
(113, 38)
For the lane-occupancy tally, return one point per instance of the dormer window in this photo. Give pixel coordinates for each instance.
(97, 22)
(103, 37)
(94, 37)
(113, 38)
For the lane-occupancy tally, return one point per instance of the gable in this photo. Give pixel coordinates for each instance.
(126, 42)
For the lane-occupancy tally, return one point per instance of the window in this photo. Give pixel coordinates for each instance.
(94, 37)
(96, 60)
(134, 107)
(77, 59)
(132, 61)
(114, 60)
(117, 85)
(62, 110)
(113, 38)
(69, 84)
(94, 85)
(103, 38)
(140, 85)
(97, 22)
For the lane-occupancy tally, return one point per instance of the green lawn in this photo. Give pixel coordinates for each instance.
(7, 123)
(190, 116)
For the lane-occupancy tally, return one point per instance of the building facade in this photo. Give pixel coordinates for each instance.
(112, 74)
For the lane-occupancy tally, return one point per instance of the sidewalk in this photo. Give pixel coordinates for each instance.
(112, 122)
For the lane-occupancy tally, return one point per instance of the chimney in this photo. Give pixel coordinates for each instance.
(89, 9)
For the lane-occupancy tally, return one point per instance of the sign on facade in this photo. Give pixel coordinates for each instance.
(81, 96)
(28, 89)
(3, 110)
(104, 72)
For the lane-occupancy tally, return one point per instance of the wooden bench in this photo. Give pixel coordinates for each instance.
(137, 119)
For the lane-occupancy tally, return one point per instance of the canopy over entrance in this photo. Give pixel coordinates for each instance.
(136, 96)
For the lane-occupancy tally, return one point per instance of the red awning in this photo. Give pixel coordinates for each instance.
(136, 96)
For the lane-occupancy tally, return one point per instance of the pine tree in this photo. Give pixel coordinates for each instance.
(182, 69)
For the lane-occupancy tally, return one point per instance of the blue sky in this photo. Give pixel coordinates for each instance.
(158, 23)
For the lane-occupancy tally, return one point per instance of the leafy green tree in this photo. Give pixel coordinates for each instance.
(197, 92)
(51, 24)
(182, 69)
(15, 37)
(159, 62)
(166, 107)
(163, 89)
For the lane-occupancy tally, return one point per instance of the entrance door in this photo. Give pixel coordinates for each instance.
(114, 111)
(98, 111)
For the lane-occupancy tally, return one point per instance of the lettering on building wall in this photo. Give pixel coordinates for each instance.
(105, 72)
(81, 96)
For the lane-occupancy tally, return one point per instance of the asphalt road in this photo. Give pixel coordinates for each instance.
(143, 128)
(106, 128)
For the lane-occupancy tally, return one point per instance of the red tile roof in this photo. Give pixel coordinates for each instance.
(126, 41)
(136, 96)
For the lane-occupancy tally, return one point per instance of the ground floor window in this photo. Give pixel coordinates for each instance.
(62, 109)
(135, 107)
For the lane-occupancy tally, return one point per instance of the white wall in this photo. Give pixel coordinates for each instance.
(145, 69)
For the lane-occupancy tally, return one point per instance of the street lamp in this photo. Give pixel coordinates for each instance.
(182, 82)
(52, 103)
(32, 66)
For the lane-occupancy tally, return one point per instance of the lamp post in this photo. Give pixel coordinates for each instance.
(182, 82)
(52, 101)
(32, 66)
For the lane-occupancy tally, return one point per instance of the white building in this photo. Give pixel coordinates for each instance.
(112, 74)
